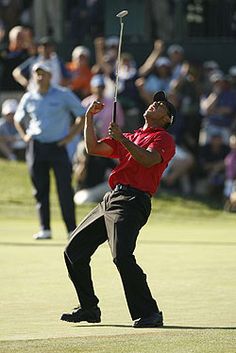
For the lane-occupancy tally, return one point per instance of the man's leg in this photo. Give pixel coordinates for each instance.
(85, 240)
(39, 173)
(62, 169)
(122, 234)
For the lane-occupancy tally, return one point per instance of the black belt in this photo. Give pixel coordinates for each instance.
(121, 187)
(54, 143)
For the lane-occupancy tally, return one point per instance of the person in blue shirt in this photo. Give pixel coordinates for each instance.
(11, 145)
(44, 121)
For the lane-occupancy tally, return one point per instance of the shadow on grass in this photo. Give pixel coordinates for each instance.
(46, 243)
(41, 243)
(199, 327)
(172, 327)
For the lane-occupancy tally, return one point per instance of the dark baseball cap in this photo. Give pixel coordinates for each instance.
(161, 97)
(47, 40)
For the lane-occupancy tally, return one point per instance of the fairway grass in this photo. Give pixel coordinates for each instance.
(165, 340)
(187, 249)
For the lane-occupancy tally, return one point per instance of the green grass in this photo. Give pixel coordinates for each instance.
(187, 249)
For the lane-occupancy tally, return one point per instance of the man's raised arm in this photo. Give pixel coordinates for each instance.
(92, 145)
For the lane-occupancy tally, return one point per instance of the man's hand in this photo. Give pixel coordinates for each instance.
(115, 132)
(159, 45)
(94, 108)
(64, 141)
(26, 138)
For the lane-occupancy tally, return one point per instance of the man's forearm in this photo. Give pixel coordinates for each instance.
(141, 155)
(20, 130)
(77, 127)
(89, 134)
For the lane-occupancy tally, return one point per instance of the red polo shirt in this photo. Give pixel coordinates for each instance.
(129, 171)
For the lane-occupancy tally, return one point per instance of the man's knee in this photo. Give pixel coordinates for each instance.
(123, 262)
(78, 260)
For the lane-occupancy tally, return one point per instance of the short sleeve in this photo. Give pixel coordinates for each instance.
(165, 145)
(113, 144)
(74, 104)
(20, 113)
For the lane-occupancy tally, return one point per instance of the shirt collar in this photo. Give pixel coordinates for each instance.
(150, 129)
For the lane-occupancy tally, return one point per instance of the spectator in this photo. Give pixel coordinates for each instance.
(2, 34)
(106, 54)
(12, 146)
(80, 71)
(209, 67)
(86, 20)
(158, 80)
(48, 19)
(29, 43)
(106, 57)
(10, 11)
(230, 176)
(176, 55)
(26, 16)
(91, 187)
(11, 57)
(128, 94)
(211, 166)
(149, 64)
(49, 110)
(46, 53)
(177, 174)
(219, 107)
(155, 73)
(232, 76)
(103, 119)
(160, 18)
(188, 88)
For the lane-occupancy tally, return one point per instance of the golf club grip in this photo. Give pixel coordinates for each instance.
(114, 112)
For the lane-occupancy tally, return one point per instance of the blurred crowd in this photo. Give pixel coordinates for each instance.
(205, 97)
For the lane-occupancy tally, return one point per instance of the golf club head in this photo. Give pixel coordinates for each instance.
(122, 14)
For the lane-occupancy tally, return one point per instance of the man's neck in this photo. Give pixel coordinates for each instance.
(146, 126)
(43, 90)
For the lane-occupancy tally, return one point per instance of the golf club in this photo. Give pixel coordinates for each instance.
(121, 14)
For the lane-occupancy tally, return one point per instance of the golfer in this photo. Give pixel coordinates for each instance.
(44, 121)
(143, 156)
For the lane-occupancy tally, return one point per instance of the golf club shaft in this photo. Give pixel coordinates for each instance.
(117, 72)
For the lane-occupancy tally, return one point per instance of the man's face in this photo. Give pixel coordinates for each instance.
(81, 60)
(45, 50)
(10, 117)
(42, 77)
(157, 109)
(157, 114)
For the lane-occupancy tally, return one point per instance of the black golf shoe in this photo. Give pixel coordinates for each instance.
(154, 320)
(92, 315)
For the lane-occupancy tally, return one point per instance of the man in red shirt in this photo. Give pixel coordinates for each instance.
(143, 157)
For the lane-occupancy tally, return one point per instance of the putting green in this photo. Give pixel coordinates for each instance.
(187, 249)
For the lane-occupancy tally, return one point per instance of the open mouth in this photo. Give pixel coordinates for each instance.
(152, 108)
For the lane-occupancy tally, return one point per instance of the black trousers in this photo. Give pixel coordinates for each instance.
(118, 219)
(41, 157)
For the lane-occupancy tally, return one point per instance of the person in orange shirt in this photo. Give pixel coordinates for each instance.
(80, 71)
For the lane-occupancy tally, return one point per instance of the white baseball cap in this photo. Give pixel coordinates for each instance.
(210, 65)
(112, 41)
(217, 76)
(9, 106)
(42, 66)
(175, 48)
(163, 61)
(80, 50)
